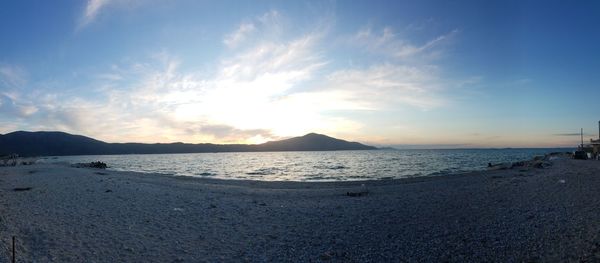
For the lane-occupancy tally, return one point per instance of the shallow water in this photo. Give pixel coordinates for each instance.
(312, 166)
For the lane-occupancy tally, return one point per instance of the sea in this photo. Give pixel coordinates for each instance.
(312, 166)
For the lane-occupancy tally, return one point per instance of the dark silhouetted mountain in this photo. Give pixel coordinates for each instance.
(312, 142)
(59, 143)
(49, 143)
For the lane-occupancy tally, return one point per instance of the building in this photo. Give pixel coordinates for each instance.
(593, 148)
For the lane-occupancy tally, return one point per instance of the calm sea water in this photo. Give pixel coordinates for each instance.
(312, 166)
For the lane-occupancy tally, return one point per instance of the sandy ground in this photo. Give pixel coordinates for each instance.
(88, 215)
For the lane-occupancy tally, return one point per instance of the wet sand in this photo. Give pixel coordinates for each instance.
(90, 215)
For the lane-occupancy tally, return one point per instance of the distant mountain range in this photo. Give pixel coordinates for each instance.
(45, 143)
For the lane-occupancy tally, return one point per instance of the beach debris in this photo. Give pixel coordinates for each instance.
(97, 165)
(363, 191)
(14, 160)
(9, 160)
(177, 209)
(562, 181)
(20, 189)
(536, 162)
(108, 191)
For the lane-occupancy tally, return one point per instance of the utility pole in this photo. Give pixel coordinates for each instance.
(582, 138)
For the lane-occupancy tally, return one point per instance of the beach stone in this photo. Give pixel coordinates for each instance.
(326, 255)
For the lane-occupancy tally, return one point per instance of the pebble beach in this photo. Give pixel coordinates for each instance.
(59, 213)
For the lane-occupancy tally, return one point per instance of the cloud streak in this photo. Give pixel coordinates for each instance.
(91, 11)
(234, 39)
(388, 43)
(388, 85)
(12, 76)
(573, 134)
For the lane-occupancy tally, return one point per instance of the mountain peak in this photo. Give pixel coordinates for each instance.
(314, 142)
(313, 134)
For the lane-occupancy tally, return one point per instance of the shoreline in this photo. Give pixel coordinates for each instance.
(81, 214)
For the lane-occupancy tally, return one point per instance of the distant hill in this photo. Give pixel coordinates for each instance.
(45, 143)
(312, 142)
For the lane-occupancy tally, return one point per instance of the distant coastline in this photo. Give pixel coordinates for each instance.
(51, 143)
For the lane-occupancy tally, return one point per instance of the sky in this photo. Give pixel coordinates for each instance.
(422, 74)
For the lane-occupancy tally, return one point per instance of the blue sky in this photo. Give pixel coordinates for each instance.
(427, 73)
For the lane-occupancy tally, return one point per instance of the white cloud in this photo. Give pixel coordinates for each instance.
(234, 39)
(92, 9)
(270, 18)
(267, 26)
(385, 86)
(12, 105)
(11, 76)
(388, 43)
(12, 80)
(95, 8)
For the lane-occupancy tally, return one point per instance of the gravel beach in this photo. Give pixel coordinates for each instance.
(64, 214)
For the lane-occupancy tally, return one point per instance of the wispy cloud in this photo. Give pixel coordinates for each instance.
(384, 86)
(12, 80)
(267, 26)
(11, 105)
(573, 134)
(232, 40)
(95, 8)
(12, 76)
(92, 9)
(389, 43)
